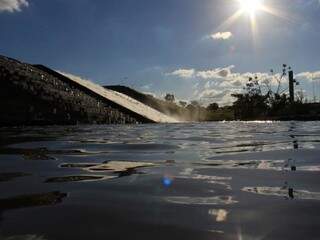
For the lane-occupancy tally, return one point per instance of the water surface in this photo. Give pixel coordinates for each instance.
(227, 180)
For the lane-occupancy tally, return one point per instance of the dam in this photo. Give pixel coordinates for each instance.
(38, 95)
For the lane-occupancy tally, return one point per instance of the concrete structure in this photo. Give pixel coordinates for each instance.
(37, 95)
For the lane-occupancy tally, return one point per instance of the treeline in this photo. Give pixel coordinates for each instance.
(261, 99)
(266, 100)
(194, 111)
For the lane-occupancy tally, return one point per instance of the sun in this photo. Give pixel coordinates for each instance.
(251, 6)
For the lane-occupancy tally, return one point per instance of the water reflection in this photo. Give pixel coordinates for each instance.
(286, 193)
(79, 178)
(217, 180)
(216, 173)
(219, 214)
(23, 237)
(113, 169)
(31, 200)
(8, 176)
(216, 200)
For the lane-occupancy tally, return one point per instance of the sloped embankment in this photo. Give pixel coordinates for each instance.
(36, 95)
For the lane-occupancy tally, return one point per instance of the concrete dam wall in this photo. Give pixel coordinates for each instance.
(37, 95)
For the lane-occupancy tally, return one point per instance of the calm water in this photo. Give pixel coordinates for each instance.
(238, 180)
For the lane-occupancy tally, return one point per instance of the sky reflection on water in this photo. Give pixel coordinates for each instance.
(205, 180)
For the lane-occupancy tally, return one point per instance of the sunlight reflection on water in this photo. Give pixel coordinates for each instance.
(172, 173)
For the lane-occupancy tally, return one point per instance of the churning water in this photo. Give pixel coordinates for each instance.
(232, 180)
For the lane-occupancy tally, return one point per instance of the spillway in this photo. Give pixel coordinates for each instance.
(38, 95)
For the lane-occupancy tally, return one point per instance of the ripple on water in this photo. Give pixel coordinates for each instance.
(243, 164)
(8, 176)
(114, 169)
(283, 192)
(32, 200)
(216, 200)
(188, 173)
(23, 237)
(79, 178)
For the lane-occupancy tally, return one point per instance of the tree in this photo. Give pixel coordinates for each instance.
(252, 103)
(183, 103)
(169, 97)
(262, 97)
(195, 103)
(213, 107)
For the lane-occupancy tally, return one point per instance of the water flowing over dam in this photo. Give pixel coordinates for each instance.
(124, 101)
(37, 95)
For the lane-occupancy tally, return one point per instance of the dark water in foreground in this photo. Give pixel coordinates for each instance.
(239, 180)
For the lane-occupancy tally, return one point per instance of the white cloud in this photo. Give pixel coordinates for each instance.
(215, 73)
(183, 73)
(221, 96)
(308, 75)
(13, 5)
(221, 35)
(217, 84)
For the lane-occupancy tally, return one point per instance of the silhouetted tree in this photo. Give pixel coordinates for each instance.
(169, 97)
(252, 102)
(213, 107)
(183, 103)
(265, 97)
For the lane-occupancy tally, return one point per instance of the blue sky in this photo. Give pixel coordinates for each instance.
(178, 46)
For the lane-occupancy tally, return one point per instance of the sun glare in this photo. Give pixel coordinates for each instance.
(251, 6)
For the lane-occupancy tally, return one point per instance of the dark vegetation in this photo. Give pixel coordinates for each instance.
(260, 100)
(181, 110)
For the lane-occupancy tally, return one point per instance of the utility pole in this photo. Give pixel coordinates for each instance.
(313, 89)
(291, 86)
